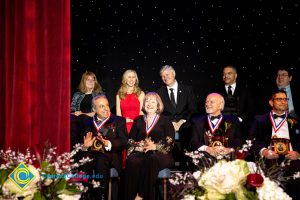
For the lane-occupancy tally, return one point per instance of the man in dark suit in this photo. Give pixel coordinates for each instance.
(179, 106)
(238, 99)
(215, 133)
(277, 136)
(104, 142)
(283, 81)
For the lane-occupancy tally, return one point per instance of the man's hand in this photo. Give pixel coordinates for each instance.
(88, 140)
(219, 151)
(103, 141)
(178, 124)
(292, 155)
(269, 154)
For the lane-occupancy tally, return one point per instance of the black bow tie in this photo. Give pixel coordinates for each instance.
(214, 117)
(276, 116)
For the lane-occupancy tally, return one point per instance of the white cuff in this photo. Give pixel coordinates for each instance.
(260, 152)
(202, 148)
(108, 148)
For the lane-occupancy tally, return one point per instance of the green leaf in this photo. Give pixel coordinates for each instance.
(38, 196)
(61, 185)
(230, 196)
(72, 189)
(4, 175)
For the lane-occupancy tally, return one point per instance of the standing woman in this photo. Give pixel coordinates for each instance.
(151, 140)
(129, 100)
(81, 105)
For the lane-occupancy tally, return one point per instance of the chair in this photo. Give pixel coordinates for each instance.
(113, 174)
(164, 174)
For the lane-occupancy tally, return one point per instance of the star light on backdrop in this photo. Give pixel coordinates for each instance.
(198, 38)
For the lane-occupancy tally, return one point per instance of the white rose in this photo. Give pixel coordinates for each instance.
(225, 177)
(69, 197)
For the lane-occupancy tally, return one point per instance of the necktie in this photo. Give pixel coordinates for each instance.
(172, 97)
(214, 117)
(229, 91)
(276, 116)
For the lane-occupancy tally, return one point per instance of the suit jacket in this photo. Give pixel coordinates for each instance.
(244, 99)
(186, 105)
(229, 127)
(261, 130)
(115, 131)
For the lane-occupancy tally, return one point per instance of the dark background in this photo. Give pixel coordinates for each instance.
(198, 38)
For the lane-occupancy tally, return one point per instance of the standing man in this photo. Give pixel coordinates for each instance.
(238, 99)
(277, 137)
(104, 142)
(283, 81)
(179, 102)
(215, 133)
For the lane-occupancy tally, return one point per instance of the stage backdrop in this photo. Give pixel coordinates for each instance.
(35, 73)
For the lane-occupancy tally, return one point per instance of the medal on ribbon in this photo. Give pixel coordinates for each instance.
(149, 128)
(278, 126)
(213, 127)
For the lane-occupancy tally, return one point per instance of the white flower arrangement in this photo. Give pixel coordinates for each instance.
(221, 179)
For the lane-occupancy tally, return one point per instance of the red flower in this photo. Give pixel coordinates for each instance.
(254, 180)
(79, 177)
(241, 155)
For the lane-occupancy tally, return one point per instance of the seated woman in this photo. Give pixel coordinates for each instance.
(129, 100)
(81, 105)
(151, 140)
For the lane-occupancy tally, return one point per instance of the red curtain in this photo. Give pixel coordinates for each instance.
(35, 73)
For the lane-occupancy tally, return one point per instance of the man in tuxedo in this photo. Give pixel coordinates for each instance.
(179, 106)
(277, 137)
(215, 133)
(104, 142)
(283, 81)
(238, 99)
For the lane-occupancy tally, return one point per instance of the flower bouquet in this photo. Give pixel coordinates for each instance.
(36, 175)
(228, 179)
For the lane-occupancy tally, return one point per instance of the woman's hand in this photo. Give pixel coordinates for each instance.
(128, 120)
(149, 145)
(77, 113)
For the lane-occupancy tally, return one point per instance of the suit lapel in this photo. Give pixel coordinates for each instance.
(179, 96)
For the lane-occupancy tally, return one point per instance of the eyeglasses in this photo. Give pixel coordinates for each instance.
(281, 99)
(282, 75)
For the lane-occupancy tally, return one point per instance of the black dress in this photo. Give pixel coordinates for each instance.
(142, 168)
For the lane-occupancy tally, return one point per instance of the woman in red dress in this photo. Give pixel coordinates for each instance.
(129, 100)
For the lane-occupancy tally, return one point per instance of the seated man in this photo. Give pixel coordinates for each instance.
(277, 137)
(215, 133)
(104, 142)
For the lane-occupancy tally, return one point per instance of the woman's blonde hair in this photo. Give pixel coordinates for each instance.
(123, 88)
(160, 105)
(82, 85)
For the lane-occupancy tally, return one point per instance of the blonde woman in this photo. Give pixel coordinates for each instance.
(129, 98)
(129, 101)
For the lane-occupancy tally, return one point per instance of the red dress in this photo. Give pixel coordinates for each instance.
(130, 108)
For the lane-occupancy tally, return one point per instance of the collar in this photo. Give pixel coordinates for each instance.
(233, 86)
(175, 86)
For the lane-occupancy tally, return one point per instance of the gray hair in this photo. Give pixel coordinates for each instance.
(166, 67)
(98, 97)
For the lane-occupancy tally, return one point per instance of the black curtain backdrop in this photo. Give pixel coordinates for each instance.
(198, 38)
